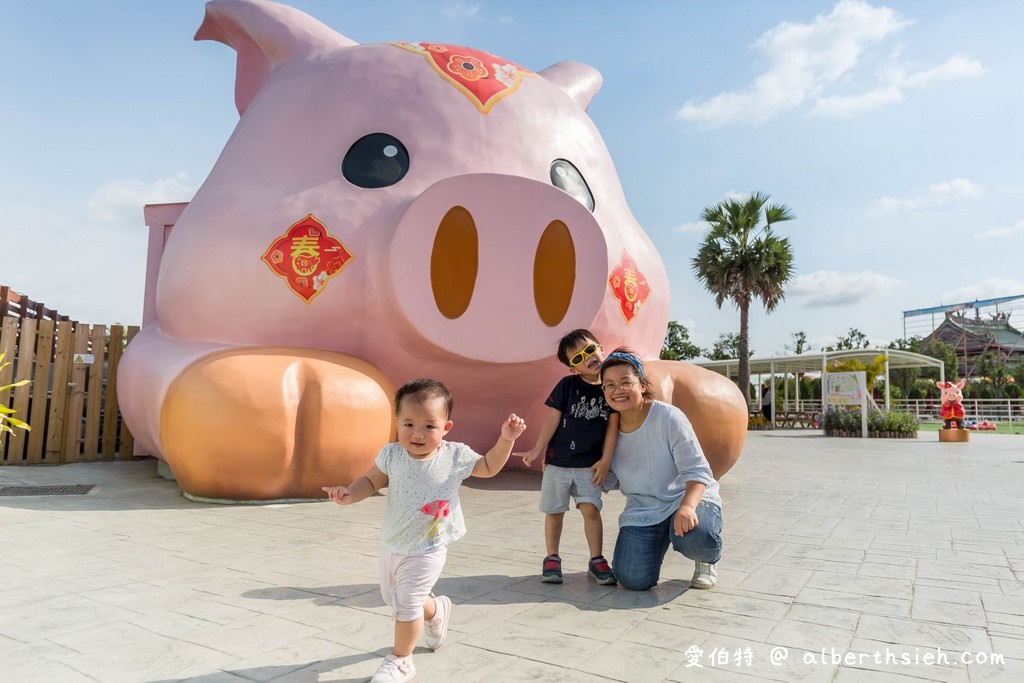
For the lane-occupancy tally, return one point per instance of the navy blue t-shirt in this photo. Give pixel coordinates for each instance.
(579, 437)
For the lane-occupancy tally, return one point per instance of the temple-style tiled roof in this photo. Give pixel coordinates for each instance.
(996, 329)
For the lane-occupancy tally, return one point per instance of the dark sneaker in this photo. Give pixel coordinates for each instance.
(552, 569)
(601, 572)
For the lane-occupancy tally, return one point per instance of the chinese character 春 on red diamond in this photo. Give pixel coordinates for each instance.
(306, 256)
(629, 286)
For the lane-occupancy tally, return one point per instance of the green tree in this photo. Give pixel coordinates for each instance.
(800, 343)
(947, 354)
(1017, 372)
(854, 339)
(993, 368)
(726, 347)
(677, 344)
(739, 262)
(904, 378)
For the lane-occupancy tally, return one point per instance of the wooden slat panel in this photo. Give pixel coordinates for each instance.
(127, 439)
(114, 351)
(94, 394)
(72, 447)
(56, 425)
(8, 340)
(26, 356)
(40, 391)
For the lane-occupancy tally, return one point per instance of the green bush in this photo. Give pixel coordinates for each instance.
(848, 420)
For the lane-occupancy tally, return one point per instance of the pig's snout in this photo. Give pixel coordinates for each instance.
(487, 266)
(455, 265)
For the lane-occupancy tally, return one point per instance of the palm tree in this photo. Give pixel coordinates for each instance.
(738, 262)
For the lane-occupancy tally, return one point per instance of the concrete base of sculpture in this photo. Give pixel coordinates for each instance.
(954, 435)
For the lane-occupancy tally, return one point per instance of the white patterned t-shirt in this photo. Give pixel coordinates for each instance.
(423, 510)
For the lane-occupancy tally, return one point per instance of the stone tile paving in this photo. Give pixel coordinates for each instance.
(846, 560)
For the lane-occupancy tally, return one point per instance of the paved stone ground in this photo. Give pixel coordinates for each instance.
(844, 559)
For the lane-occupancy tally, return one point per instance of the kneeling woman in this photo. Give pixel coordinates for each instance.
(671, 495)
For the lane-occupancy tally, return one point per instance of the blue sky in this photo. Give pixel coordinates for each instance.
(892, 130)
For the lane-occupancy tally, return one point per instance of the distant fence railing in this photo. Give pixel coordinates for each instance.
(71, 402)
(991, 409)
(20, 306)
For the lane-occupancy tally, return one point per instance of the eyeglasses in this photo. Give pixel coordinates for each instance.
(588, 351)
(626, 385)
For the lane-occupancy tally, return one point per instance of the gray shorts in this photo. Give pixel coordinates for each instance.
(561, 482)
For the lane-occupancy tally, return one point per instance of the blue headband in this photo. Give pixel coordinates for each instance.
(630, 358)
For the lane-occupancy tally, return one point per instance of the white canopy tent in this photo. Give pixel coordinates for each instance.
(818, 362)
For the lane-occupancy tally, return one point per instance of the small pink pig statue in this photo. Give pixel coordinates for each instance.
(385, 212)
(952, 411)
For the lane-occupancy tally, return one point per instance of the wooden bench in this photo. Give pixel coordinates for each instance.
(791, 418)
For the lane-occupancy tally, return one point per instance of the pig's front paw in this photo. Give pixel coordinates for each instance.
(267, 423)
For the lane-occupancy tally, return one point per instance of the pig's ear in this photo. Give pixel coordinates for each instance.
(579, 81)
(265, 35)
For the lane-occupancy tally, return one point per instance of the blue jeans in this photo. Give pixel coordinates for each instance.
(640, 550)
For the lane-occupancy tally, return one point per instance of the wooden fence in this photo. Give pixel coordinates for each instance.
(71, 402)
(20, 306)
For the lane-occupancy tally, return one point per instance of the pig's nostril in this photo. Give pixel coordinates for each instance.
(454, 262)
(554, 273)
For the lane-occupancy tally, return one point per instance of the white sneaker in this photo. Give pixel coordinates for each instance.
(395, 669)
(705, 575)
(434, 630)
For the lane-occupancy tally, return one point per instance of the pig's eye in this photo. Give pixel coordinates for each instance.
(375, 160)
(567, 178)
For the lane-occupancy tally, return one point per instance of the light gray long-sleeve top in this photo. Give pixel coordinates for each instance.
(653, 464)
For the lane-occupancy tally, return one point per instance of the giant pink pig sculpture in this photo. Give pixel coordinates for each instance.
(381, 213)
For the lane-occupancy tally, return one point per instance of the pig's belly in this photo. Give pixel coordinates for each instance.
(269, 423)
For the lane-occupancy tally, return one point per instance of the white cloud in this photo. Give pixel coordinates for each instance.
(888, 205)
(121, 201)
(954, 189)
(807, 60)
(1000, 232)
(992, 288)
(958, 66)
(831, 288)
(692, 227)
(462, 10)
(92, 273)
(847, 106)
(958, 188)
(737, 196)
(894, 82)
(95, 265)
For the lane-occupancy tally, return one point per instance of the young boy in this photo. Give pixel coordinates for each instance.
(578, 440)
(423, 474)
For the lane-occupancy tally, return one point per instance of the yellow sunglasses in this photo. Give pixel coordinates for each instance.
(588, 351)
